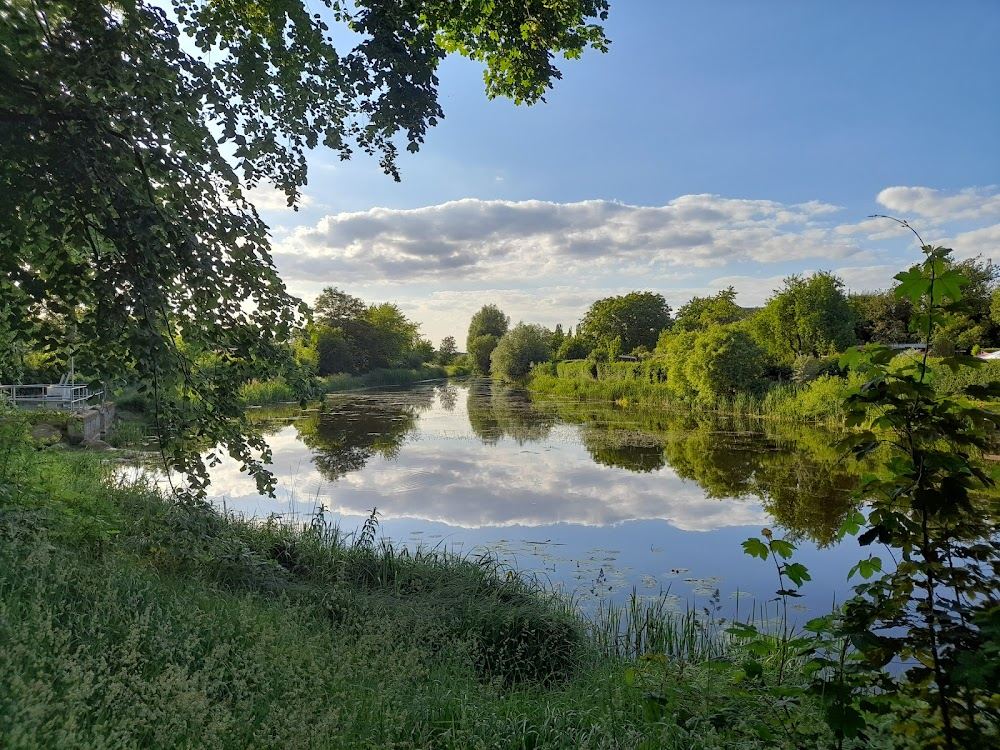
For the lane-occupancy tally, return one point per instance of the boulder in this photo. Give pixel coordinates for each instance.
(45, 433)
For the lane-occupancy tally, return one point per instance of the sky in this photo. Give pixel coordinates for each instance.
(717, 143)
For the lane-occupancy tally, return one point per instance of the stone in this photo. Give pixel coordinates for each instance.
(45, 433)
(96, 445)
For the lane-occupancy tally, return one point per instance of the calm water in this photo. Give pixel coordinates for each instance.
(594, 498)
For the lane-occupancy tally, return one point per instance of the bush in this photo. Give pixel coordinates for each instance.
(520, 349)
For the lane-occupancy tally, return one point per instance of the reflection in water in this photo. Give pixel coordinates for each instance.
(447, 395)
(798, 476)
(595, 496)
(344, 437)
(497, 411)
(791, 471)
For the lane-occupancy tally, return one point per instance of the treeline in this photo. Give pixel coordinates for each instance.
(711, 348)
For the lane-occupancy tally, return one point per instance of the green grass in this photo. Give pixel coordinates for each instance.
(630, 384)
(128, 620)
(263, 392)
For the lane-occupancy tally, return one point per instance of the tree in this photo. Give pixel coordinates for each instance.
(521, 348)
(392, 336)
(724, 361)
(638, 317)
(557, 337)
(807, 316)
(490, 320)
(334, 351)
(701, 312)
(333, 307)
(116, 193)
(486, 328)
(447, 350)
(480, 350)
(572, 347)
(881, 317)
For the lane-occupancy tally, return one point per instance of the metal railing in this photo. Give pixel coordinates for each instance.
(63, 397)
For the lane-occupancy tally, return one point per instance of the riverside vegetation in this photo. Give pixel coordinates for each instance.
(134, 618)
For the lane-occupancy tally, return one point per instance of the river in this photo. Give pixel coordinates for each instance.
(592, 498)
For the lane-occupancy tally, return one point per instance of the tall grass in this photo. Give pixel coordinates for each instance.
(261, 393)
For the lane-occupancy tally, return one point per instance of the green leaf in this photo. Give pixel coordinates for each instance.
(912, 284)
(782, 548)
(797, 573)
(755, 548)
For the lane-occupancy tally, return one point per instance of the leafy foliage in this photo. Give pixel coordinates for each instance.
(119, 207)
(490, 320)
(520, 348)
(702, 312)
(637, 317)
(807, 316)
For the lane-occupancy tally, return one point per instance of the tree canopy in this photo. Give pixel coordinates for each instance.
(806, 316)
(124, 161)
(520, 348)
(486, 328)
(637, 317)
(701, 312)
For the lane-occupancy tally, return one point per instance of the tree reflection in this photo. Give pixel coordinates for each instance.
(623, 448)
(348, 434)
(496, 411)
(794, 470)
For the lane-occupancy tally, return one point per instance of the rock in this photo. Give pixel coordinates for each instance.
(96, 445)
(45, 433)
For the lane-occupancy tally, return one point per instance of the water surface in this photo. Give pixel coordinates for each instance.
(594, 498)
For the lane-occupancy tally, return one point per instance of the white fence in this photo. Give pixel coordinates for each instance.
(61, 397)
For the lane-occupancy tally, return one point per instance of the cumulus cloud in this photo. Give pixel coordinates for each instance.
(938, 205)
(489, 241)
(265, 197)
(984, 241)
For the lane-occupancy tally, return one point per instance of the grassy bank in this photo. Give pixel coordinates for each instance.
(817, 400)
(131, 621)
(627, 384)
(261, 392)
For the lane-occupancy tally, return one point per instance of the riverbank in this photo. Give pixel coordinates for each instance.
(130, 620)
(816, 399)
(278, 390)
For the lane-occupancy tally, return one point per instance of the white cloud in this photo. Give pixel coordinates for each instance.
(984, 241)
(265, 197)
(500, 241)
(938, 205)
(545, 262)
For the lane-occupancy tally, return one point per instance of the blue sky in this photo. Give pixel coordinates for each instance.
(716, 143)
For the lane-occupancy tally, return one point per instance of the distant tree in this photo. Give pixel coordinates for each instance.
(447, 350)
(520, 348)
(490, 320)
(676, 348)
(807, 316)
(557, 337)
(573, 347)
(480, 349)
(333, 307)
(638, 317)
(995, 307)
(334, 351)
(881, 317)
(422, 351)
(701, 312)
(724, 361)
(395, 335)
(486, 328)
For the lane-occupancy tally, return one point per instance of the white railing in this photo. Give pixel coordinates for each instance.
(37, 396)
